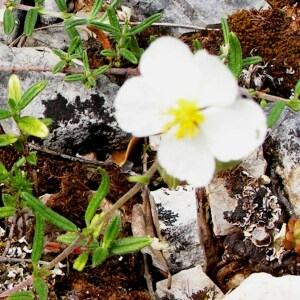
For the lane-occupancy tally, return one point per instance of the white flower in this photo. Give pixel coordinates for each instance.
(193, 100)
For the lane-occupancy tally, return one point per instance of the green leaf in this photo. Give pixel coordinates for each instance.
(12, 104)
(85, 61)
(111, 231)
(101, 70)
(38, 239)
(8, 21)
(14, 88)
(75, 42)
(41, 288)
(145, 24)
(74, 77)
(60, 54)
(18, 145)
(33, 126)
(97, 197)
(128, 55)
(275, 113)
(68, 238)
(58, 66)
(61, 4)
(77, 22)
(235, 55)
(104, 27)
(134, 47)
(197, 45)
(32, 92)
(6, 211)
(24, 295)
(80, 261)
(294, 104)
(250, 61)
(139, 178)
(129, 244)
(96, 8)
(171, 181)
(2, 169)
(47, 121)
(7, 139)
(225, 30)
(297, 88)
(107, 52)
(48, 213)
(263, 103)
(9, 200)
(114, 22)
(32, 158)
(4, 114)
(99, 255)
(30, 21)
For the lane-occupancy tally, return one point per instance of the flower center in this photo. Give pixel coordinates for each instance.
(186, 117)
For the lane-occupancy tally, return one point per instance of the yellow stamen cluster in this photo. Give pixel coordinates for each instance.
(186, 117)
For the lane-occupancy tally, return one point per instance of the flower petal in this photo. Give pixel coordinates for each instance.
(168, 65)
(217, 86)
(233, 132)
(138, 108)
(186, 159)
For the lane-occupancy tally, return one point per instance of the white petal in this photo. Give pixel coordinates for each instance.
(138, 108)
(217, 86)
(235, 131)
(168, 65)
(187, 159)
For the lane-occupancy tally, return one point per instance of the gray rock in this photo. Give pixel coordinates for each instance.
(83, 118)
(189, 284)
(177, 213)
(49, 5)
(190, 12)
(285, 141)
(220, 202)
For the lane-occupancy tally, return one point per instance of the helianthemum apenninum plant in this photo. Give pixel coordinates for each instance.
(193, 100)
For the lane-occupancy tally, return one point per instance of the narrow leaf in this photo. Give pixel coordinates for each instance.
(38, 239)
(100, 70)
(77, 22)
(107, 52)
(99, 255)
(30, 21)
(104, 27)
(96, 8)
(297, 88)
(6, 211)
(111, 232)
(235, 55)
(225, 30)
(97, 197)
(58, 66)
(7, 139)
(33, 126)
(275, 113)
(74, 77)
(60, 54)
(41, 288)
(145, 24)
(80, 262)
(68, 238)
(24, 295)
(250, 61)
(61, 4)
(197, 45)
(32, 92)
(48, 213)
(129, 244)
(12, 104)
(85, 61)
(8, 21)
(114, 21)
(140, 179)
(14, 88)
(129, 55)
(74, 44)
(4, 114)
(134, 47)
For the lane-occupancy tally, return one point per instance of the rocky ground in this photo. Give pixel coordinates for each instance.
(217, 236)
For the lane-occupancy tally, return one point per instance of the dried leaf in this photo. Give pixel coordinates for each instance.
(120, 157)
